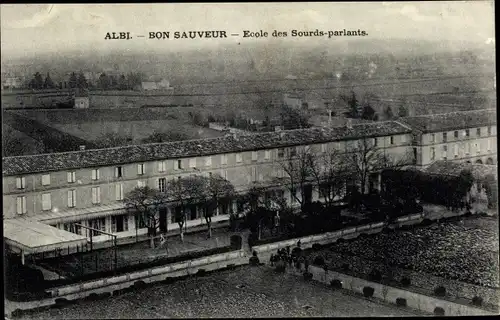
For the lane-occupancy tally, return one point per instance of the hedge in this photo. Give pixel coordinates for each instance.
(477, 301)
(368, 292)
(440, 291)
(401, 302)
(438, 311)
(336, 284)
(405, 282)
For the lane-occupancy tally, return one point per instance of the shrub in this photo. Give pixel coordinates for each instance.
(375, 275)
(92, 297)
(440, 291)
(254, 261)
(139, 284)
(319, 261)
(316, 247)
(336, 284)
(280, 266)
(61, 301)
(401, 302)
(426, 222)
(236, 242)
(345, 267)
(477, 301)
(307, 276)
(405, 282)
(438, 311)
(17, 313)
(201, 273)
(368, 292)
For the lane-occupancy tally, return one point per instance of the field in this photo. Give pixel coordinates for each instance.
(246, 292)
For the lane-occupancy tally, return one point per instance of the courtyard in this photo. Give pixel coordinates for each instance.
(245, 292)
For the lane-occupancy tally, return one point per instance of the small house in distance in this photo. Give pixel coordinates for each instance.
(154, 84)
(82, 100)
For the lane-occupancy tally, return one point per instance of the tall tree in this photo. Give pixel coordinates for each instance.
(73, 81)
(48, 84)
(218, 192)
(402, 111)
(37, 81)
(185, 192)
(122, 83)
(369, 113)
(104, 83)
(144, 202)
(81, 82)
(388, 114)
(352, 103)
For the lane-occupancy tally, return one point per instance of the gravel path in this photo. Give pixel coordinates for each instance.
(263, 294)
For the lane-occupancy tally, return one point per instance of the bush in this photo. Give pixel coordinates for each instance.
(280, 266)
(62, 301)
(92, 297)
(368, 292)
(405, 282)
(139, 284)
(319, 261)
(426, 222)
(345, 267)
(440, 291)
(254, 261)
(401, 302)
(340, 240)
(201, 273)
(316, 247)
(477, 301)
(438, 311)
(336, 284)
(375, 275)
(236, 242)
(307, 276)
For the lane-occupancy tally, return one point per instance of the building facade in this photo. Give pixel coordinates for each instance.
(467, 136)
(88, 186)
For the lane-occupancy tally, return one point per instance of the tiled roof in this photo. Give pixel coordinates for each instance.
(452, 168)
(453, 120)
(193, 148)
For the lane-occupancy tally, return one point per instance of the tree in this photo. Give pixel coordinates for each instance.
(111, 140)
(329, 171)
(159, 137)
(298, 173)
(369, 113)
(185, 192)
(81, 82)
(37, 82)
(353, 105)
(402, 111)
(144, 202)
(388, 114)
(256, 213)
(104, 82)
(122, 83)
(293, 119)
(48, 84)
(218, 191)
(73, 81)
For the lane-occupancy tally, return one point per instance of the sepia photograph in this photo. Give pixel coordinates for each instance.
(249, 160)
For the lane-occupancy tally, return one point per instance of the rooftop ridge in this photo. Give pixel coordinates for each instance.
(450, 113)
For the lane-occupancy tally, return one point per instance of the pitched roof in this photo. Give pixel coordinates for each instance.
(193, 148)
(451, 168)
(451, 121)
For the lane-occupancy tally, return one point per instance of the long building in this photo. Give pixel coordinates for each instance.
(88, 187)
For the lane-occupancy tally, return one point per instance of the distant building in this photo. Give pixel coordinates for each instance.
(12, 83)
(148, 85)
(156, 85)
(82, 100)
(293, 100)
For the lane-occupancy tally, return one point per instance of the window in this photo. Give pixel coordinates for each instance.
(119, 223)
(96, 195)
(21, 182)
(293, 152)
(255, 155)
(445, 148)
(21, 205)
(161, 166)
(179, 164)
(119, 191)
(374, 142)
(98, 224)
(140, 169)
(392, 140)
(478, 148)
(71, 198)
(46, 201)
(455, 134)
(445, 136)
(208, 161)
(73, 227)
(433, 138)
(254, 174)
(455, 150)
(403, 139)
(141, 184)
(489, 145)
(192, 163)
(281, 153)
(467, 148)
(71, 176)
(95, 174)
(478, 132)
(467, 133)
(45, 179)
(118, 172)
(223, 159)
(323, 147)
(239, 157)
(223, 174)
(445, 152)
(162, 184)
(433, 153)
(267, 154)
(489, 131)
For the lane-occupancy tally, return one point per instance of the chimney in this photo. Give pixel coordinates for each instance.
(348, 124)
(82, 147)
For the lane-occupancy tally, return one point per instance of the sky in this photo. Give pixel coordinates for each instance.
(34, 29)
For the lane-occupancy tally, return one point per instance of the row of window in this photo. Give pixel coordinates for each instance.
(118, 224)
(178, 165)
(465, 133)
(456, 148)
